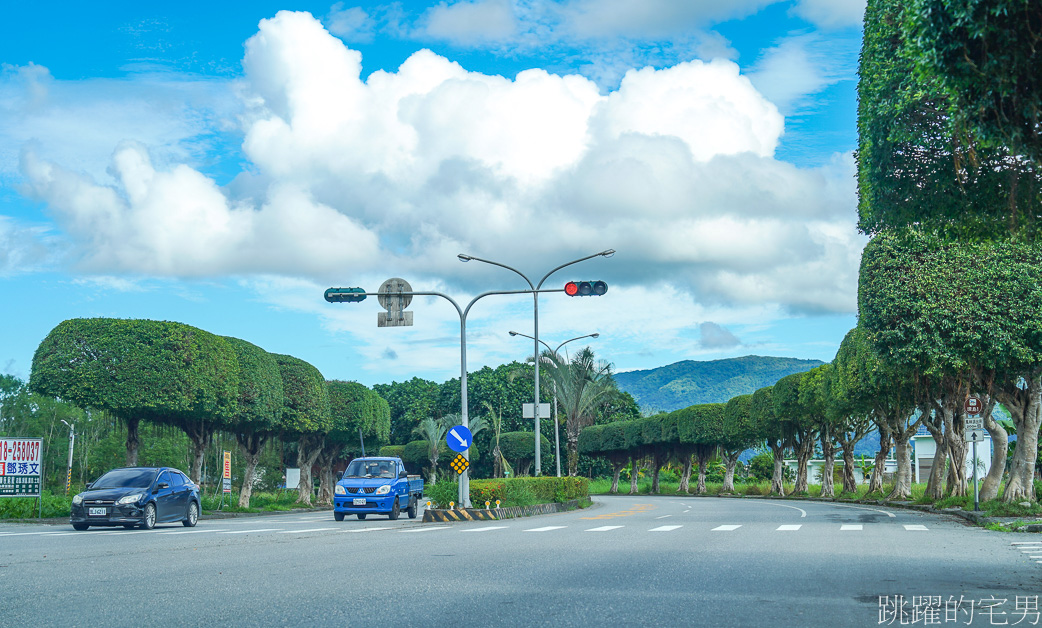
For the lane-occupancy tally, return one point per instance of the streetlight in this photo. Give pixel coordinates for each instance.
(535, 300)
(557, 424)
(72, 440)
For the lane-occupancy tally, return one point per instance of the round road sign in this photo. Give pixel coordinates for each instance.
(973, 405)
(389, 298)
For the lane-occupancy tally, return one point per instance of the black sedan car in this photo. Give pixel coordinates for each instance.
(137, 496)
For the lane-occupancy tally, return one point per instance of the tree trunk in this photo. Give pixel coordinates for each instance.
(934, 486)
(952, 412)
(828, 452)
(849, 480)
(133, 442)
(778, 477)
(201, 436)
(634, 472)
(685, 477)
(657, 460)
(902, 479)
(308, 449)
(1025, 408)
(730, 461)
(616, 468)
(875, 484)
(703, 462)
(251, 446)
(327, 456)
(989, 488)
(573, 455)
(803, 454)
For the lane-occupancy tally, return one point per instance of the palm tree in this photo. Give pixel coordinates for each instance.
(433, 431)
(582, 384)
(495, 420)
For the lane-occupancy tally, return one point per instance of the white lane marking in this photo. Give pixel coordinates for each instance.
(803, 513)
(546, 529)
(915, 527)
(888, 514)
(664, 516)
(603, 528)
(189, 532)
(1036, 556)
(1026, 543)
(23, 533)
(485, 529)
(257, 530)
(664, 528)
(726, 528)
(308, 530)
(789, 528)
(425, 529)
(369, 529)
(851, 526)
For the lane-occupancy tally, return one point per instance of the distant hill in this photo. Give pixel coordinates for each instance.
(687, 383)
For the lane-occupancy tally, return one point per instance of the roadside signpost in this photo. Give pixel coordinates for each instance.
(227, 472)
(974, 433)
(528, 410)
(459, 465)
(21, 468)
(459, 438)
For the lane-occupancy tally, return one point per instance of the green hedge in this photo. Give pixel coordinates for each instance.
(392, 451)
(54, 505)
(543, 490)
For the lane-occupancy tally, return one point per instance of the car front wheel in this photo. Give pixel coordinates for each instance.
(148, 521)
(192, 517)
(339, 516)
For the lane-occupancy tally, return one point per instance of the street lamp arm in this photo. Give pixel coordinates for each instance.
(467, 258)
(607, 253)
(593, 335)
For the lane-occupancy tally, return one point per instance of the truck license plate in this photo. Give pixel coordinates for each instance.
(359, 501)
(96, 512)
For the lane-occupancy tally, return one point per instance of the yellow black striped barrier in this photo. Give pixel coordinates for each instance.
(449, 515)
(459, 514)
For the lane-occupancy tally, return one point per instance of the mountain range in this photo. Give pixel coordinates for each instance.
(690, 382)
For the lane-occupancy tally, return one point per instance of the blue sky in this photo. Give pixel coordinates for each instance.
(221, 164)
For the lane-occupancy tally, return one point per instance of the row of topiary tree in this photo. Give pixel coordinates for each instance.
(181, 376)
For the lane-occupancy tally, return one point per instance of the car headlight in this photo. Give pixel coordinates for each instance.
(383, 490)
(77, 499)
(340, 490)
(130, 499)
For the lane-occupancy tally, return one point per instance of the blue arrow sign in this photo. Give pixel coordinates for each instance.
(458, 438)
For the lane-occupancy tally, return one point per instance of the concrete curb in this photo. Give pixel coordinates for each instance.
(495, 514)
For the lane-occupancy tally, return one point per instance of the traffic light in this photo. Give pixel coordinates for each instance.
(585, 288)
(345, 295)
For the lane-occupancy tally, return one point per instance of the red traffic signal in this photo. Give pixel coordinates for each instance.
(585, 288)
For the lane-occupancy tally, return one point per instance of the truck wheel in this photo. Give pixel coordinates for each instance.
(361, 516)
(80, 526)
(339, 516)
(412, 508)
(395, 510)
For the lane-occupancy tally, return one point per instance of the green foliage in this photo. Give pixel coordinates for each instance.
(688, 383)
(161, 371)
(761, 466)
(517, 491)
(259, 406)
(916, 165)
(443, 492)
(275, 501)
(354, 407)
(983, 55)
(305, 399)
(54, 505)
(392, 451)
(519, 447)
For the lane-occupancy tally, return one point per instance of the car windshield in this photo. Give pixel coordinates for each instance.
(125, 478)
(362, 468)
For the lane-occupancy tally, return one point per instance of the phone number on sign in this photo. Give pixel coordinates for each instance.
(19, 450)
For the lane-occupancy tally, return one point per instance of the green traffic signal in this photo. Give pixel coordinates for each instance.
(345, 295)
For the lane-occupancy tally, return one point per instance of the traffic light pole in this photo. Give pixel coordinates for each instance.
(536, 289)
(464, 480)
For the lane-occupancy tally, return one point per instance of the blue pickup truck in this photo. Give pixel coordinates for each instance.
(378, 486)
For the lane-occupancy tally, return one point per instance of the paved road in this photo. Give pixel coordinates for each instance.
(631, 561)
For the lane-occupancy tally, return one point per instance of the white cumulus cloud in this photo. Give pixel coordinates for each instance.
(675, 168)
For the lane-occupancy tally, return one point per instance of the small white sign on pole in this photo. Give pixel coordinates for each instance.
(528, 410)
(974, 436)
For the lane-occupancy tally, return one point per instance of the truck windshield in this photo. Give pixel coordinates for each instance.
(363, 468)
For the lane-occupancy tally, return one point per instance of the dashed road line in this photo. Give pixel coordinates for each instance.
(726, 528)
(425, 529)
(665, 528)
(485, 529)
(249, 531)
(851, 526)
(545, 529)
(604, 528)
(915, 526)
(664, 516)
(307, 530)
(375, 529)
(789, 528)
(189, 532)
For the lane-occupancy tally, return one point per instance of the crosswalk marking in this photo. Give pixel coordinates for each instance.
(726, 528)
(851, 526)
(789, 528)
(308, 530)
(604, 528)
(915, 527)
(546, 529)
(485, 529)
(664, 528)
(249, 531)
